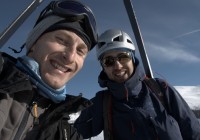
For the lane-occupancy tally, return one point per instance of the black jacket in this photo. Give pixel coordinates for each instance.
(136, 113)
(17, 121)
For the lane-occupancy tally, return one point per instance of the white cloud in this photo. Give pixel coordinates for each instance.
(191, 94)
(173, 52)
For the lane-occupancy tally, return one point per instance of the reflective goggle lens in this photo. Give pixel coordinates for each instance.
(74, 8)
(122, 58)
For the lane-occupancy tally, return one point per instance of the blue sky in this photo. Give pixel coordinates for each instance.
(170, 31)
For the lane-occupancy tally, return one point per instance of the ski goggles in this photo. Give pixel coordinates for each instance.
(72, 10)
(122, 58)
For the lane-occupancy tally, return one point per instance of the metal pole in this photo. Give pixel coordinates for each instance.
(10, 30)
(138, 37)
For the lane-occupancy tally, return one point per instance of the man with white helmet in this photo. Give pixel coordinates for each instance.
(128, 109)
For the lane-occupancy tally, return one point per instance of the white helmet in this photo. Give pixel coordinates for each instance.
(113, 39)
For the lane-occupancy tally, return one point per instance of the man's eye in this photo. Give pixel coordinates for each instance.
(60, 40)
(81, 52)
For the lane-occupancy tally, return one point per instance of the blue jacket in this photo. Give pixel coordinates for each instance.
(137, 114)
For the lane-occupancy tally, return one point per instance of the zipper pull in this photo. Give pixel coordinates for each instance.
(35, 113)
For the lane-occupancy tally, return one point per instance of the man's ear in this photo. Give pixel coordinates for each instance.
(31, 50)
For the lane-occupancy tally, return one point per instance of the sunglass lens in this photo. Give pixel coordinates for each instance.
(123, 58)
(108, 61)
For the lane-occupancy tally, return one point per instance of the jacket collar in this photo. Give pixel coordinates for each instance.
(15, 80)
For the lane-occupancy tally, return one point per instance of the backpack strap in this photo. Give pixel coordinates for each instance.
(107, 116)
(156, 89)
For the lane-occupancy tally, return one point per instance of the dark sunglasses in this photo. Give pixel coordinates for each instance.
(122, 58)
(72, 10)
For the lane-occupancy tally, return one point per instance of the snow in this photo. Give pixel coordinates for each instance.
(191, 94)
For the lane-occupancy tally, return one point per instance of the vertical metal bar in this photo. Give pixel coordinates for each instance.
(9, 31)
(138, 37)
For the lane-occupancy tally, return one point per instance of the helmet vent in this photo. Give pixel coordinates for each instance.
(100, 44)
(116, 39)
(129, 41)
(113, 39)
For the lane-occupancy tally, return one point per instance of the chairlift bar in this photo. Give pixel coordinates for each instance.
(138, 37)
(10, 30)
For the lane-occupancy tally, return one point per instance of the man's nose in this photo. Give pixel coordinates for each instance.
(117, 64)
(69, 55)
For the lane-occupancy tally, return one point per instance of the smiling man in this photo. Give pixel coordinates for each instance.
(128, 108)
(34, 103)
(61, 58)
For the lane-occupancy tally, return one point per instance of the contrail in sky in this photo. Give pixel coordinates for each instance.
(188, 33)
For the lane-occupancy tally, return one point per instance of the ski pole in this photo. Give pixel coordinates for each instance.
(138, 37)
(9, 31)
